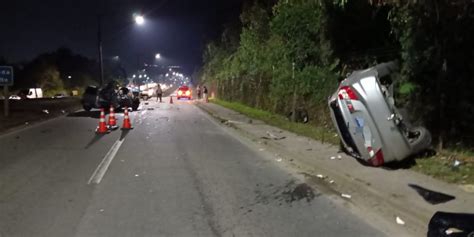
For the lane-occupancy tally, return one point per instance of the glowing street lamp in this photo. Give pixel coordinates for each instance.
(157, 56)
(139, 19)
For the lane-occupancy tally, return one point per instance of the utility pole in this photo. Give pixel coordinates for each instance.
(99, 45)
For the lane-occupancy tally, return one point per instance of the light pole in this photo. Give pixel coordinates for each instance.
(139, 20)
(99, 45)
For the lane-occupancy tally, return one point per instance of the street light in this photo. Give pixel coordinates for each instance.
(139, 20)
(157, 56)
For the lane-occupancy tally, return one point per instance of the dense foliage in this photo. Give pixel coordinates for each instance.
(61, 71)
(290, 54)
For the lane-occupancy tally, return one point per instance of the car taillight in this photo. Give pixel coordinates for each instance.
(346, 93)
(377, 158)
(180, 92)
(188, 93)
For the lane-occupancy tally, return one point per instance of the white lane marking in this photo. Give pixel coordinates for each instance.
(104, 165)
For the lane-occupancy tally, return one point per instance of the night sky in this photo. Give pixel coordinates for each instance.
(177, 29)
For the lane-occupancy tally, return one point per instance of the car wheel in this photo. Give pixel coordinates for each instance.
(421, 141)
(87, 108)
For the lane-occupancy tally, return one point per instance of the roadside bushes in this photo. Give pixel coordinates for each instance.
(292, 54)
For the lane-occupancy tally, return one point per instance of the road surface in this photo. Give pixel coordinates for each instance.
(177, 173)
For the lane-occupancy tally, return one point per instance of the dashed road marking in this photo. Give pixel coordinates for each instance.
(104, 165)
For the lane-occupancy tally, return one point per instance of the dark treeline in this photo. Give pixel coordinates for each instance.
(286, 54)
(61, 71)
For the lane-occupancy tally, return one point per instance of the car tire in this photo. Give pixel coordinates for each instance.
(422, 142)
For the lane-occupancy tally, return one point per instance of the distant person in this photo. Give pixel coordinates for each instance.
(159, 93)
(199, 92)
(204, 92)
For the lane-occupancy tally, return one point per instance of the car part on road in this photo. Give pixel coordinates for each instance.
(370, 126)
(451, 224)
(94, 97)
(399, 221)
(431, 196)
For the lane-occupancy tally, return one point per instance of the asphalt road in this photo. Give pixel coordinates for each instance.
(177, 173)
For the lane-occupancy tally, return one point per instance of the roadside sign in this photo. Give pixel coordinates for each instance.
(6, 76)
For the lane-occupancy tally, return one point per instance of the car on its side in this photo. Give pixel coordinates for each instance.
(184, 92)
(369, 125)
(94, 97)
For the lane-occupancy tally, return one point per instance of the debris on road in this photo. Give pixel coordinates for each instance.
(45, 111)
(468, 188)
(26, 123)
(446, 224)
(400, 221)
(300, 192)
(101, 210)
(346, 196)
(150, 108)
(320, 176)
(261, 149)
(431, 196)
(453, 230)
(136, 175)
(339, 157)
(273, 136)
(63, 111)
(331, 181)
(279, 160)
(333, 158)
(456, 164)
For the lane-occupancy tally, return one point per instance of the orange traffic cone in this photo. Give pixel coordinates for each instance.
(102, 129)
(112, 120)
(126, 120)
(171, 99)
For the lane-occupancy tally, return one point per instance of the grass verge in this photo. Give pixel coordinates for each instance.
(439, 166)
(322, 134)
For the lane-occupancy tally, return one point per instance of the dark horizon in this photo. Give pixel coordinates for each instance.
(177, 30)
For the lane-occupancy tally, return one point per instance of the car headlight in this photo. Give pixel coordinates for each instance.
(188, 93)
(180, 92)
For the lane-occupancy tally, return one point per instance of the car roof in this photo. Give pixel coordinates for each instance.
(183, 88)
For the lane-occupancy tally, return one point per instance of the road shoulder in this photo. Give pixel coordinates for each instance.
(382, 195)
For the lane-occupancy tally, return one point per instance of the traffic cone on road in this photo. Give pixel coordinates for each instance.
(112, 121)
(126, 120)
(171, 99)
(102, 129)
